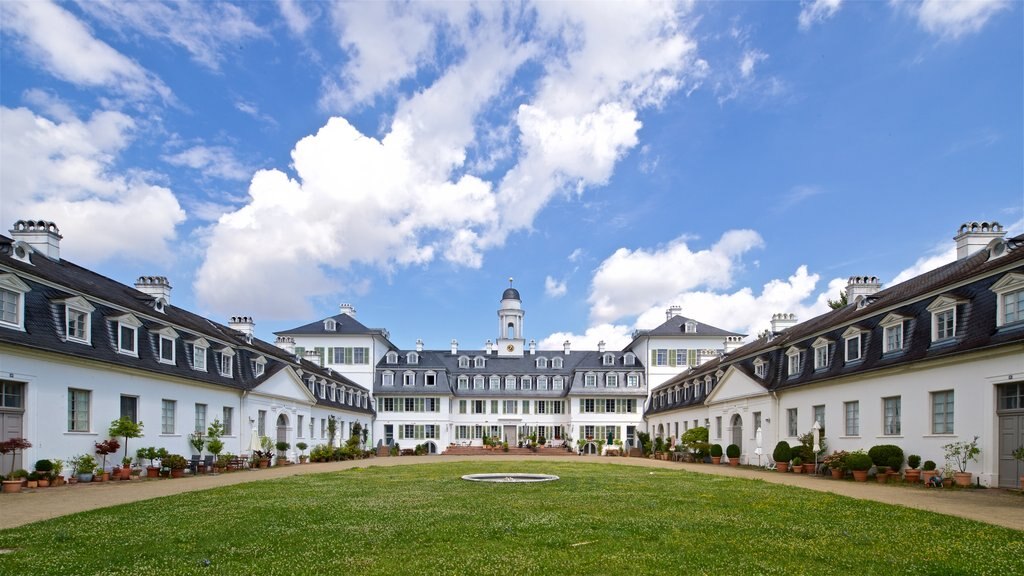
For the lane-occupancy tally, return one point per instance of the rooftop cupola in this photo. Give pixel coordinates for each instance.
(973, 236)
(347, 309)
(156, 286)
(672, 311)
(286, 343)
(44, 237)
(783, 321)
(243, 324)
(732, 343)
(859, 287)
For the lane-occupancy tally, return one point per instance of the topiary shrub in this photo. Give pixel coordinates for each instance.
(929, 465)
(732, 451)
(716, 450)
(783, 452)
(888, 455)
(858, 461)
(44, 466)
(913, 461)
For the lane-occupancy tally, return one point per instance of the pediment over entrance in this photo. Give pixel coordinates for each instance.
(735, 385)
(285, 384)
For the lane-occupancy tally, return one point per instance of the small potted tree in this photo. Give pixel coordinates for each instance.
(57, 477)
(859, 463)
(797, 465)
(927, 471)
(85, 467)
(912, 474)
(716, 453)
(104, 448)
(836, 463)
(282, 453)
(198, 442)
(302, 452)
(782, 454)
(176, 463)
(960, 454)
(213, 442)
(124, 428)
(733, 452)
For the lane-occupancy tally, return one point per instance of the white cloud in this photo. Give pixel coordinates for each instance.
(64, 172)
(410, 197)
(750, 59)
(253, 110)
(816, 11)
(56, 40)
(297, 20)
(953, 19)
(206, 30)
(615, 337)
(942, 253)
(576, 254)
(211, 161)
(554, 288)
(630, 282)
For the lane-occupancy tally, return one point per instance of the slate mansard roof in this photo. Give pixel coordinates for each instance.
(967, 281)
(445, 367)
(51, 282)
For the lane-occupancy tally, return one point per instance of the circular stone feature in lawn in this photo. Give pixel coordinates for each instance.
(509, 477)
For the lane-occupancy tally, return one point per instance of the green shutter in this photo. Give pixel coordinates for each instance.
(671, 357)
(654, 357)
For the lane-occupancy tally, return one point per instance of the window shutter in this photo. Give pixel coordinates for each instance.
(654, 357)
(672, 358)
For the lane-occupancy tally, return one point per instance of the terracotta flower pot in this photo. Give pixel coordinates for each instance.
(926, 475)
(734, 461)
(838, 473)
(860, 475)
(962, 478)
(152, 471)
(782, 466)
(177, 472)
(44, 483)
(912, 475)
(809, 468)
(11, 486)
(716, 460)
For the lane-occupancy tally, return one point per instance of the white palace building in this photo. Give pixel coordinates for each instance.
(932, 360)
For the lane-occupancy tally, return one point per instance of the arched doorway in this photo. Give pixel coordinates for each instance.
(661, 430)
(282, 428)
(590, 448)
(736, 425)
(431, 448)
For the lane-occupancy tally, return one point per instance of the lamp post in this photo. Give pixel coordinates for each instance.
(817, 443)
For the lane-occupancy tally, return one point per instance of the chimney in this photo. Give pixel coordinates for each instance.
(455, 346)
(286, 343)
(533, 346)
(783, 321)
(973, 236)
(859, 287)
(313, 356)
(44, 237)
(156, 286)
(600, 346)
(243, 324)
(347, 309)
(419, 345)
(672, 311)
(732, 343)
(565, 346)
(489, 346)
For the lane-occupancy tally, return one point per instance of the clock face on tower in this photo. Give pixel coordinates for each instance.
(510, 347)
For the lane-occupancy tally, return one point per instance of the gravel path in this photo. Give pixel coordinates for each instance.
(994, 506)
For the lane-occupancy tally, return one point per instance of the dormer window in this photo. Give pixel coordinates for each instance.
(478, 362)
(609, 360)
(259, 366)
(330, 325)
(943, 311)
(494, 383)
(691, 327)
(78, 319)
(892, 333)
(478, 382)
(199, 348)
(128, 334)
(412, 358)
(853, 344)
(321, 388)
(557, 383)
(463, 361)
(167, 352)
(392, 357)
(542, 382)
(409, 379)
(556, 363)
(525, 382)
(430, 379)
(387, 378)
(632, 380)
(463, 382)
(334, 392)
(760, 368)
(795, 358)
(822, 348)
(542, 362)
(629, 359)
(1009, 299)
(590, 380)
(510, 383)
(226, 362)
(611, 380)
(12, 301)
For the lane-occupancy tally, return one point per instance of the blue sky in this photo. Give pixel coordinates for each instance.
(275, 159)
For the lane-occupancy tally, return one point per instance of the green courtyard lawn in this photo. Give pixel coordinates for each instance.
(424, 520)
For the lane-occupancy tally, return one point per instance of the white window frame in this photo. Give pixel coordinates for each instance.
(479, 362)
(510, 382)
(542, 362)
(463, 361)
(430, 379)
(1010, 284)
(392, 357)
(75, 416)
(611, 380)
(525, 383)
(608, 360)
(942, 306)
(853, 335)
(629, 359)
(794, 362)
(74, 307)
(632, 380)
(821, 355)
(166, 403)
(893, 322)
(760, 368)
(199, 348)
(330, 325)
(127, 323)
(590, 380)
(948, 424)
(166, 335)
(259, 366)
(13, 288)
(226, 366)
(408, 378)
(892, 421)
(463, 382)
(412, 358)
(387, 378)
(557, 383)
(478, 382)
(851, 418)
(556, 363)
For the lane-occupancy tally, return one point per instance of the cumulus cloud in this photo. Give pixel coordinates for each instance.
(629, 282)
(211, 161)
(410, 197)
(614, 336)
(206, 30)
(816, 11)
(296, 19)
(64, 171)
(953, 19)
(554, 288)
(56, 40)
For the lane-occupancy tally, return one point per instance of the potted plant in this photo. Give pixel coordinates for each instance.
(85, 466)
(913, 475)
(859, 463)
(176, 463)
(197, 441)
(886, 457)
(56, 474)
(733, 452)
(124, 428)
(716, 453)
(151, 453)
(102, 449)
(32, 480)
(782, 454)
(927, 471)
(960, 454)
(126, 468)
(836, 463)
(282, 453)
(302, 452)
(266, 452)
(12, 446)
(797, 465)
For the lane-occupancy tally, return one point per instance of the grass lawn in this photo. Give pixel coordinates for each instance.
(598, 519)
